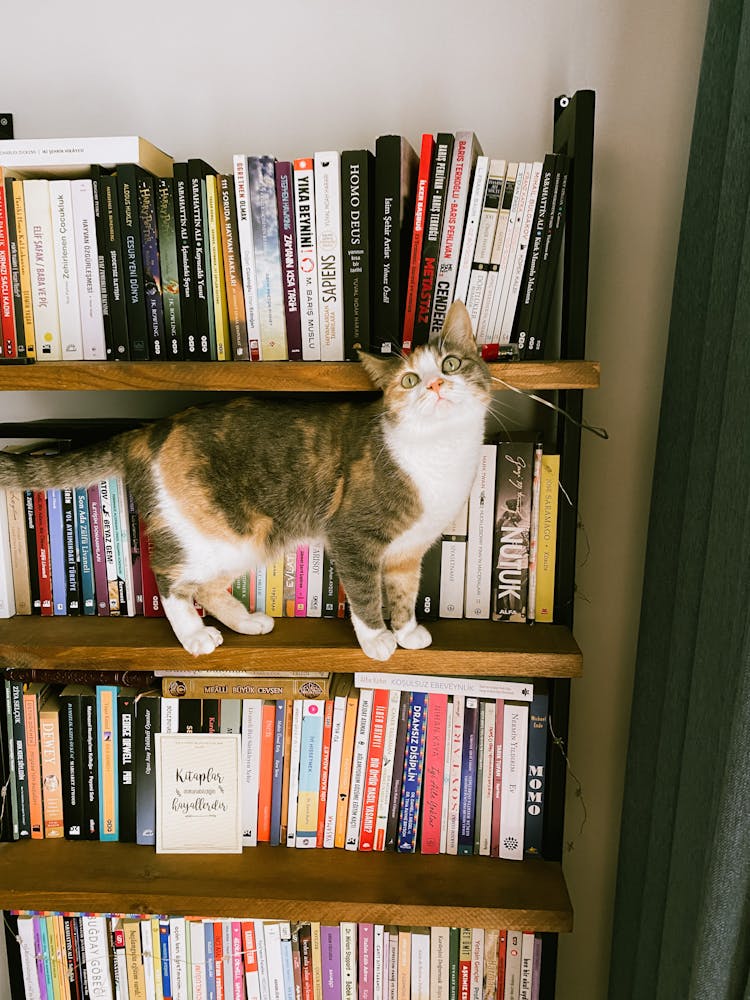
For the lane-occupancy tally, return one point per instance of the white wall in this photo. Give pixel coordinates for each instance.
(214, 79)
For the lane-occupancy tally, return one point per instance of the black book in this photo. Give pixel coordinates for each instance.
(512, 529)
(19, 750)
(284, 177)
(394, 806)
(90, 760)
(357, 178)
(71, 754)
(396, 166)
(139, 334)
(15, 274)
(69, 966)
(185, 263)
(72, 581)
(126, 746)
(147, 725)
(13, 951)
(210, 708)
(428, 595)
(191, 715)
(8, 815)
(532, 265)
(111, 269)
(80, 953)
(433, 229)
(31, 551)
(152, 289)
(536, 769)
(205, 345)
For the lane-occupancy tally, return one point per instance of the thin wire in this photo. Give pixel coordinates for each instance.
(599, 431)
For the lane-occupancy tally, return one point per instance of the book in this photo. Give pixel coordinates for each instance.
(386, 776)
(485, 778)
(12, 338)
(498, 256)
(47, 337)
(373, 769)
(515, 741)
(171, 275)
(307, 256)
(396, 167)
(453, 565)
(216, 280)
(357, 178)
(432, 790)
(411, 789)
(66, 269)
(34, 694)
(46, 154)
(182, 196)
(435, 211)
(358, 769)
(19, 754)
(338, 722)
(474, 210)
(26, 319)
(439, 961)
(18, 551)
(84, 548)
(516, 268)
(147, 725)
(478, 592)
(468, 790)
(347, 760)
(327, 172)
(265, 770)
(477, 687)
(252, 711)
(485, 240)
(265, 223)
(547, 538)
(311, 747)
(49, 745)
(512, 529)
(72, 748)
(284, 173)
(200, 346)
(536, 484)
(8, 761)
(244, 686)
(139, 328)
(111, 264)
(330, 957)
(536, 765)
(397, 776)
(108, 757)
(278, 770)
(426, 151)
(513, 948)
(7, 592)
(324, 774)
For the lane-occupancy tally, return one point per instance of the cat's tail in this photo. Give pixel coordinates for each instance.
(75, 468)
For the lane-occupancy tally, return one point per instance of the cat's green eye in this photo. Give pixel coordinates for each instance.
(410, 380)
(451, 364)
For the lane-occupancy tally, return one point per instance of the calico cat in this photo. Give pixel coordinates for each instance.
(227, 486)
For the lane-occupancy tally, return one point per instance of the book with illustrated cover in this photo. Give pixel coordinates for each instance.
(357, 179)
(261, 186)
(512, 530)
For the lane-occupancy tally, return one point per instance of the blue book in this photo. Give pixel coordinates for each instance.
(311, 750)
(46, 954)
(287, 962)
(208, 931)
(57, 552)
(108, 752)
(278, 771)
(536, 763)
(85, 554)
(411, 787)
(166, 971)
(468, 790)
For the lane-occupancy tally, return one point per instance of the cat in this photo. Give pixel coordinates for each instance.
(226, 486)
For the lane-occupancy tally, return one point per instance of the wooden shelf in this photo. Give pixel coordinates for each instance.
(269, 376)
(280, 883)
(483, 649)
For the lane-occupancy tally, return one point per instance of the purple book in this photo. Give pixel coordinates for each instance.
(97, 550)
(330, 959)
(285, 204)
(366, 964)
(135, 551)
(466, 810)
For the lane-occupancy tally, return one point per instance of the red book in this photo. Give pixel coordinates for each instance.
(373, 770)
(8, 346)
(219, 958)
(42, 551)
(501, 966)
(249, 949)
(97, 551)
(434, 766)
(325, 766)
(265, 783)
(415, 259)
(497, 779)
(152, 606)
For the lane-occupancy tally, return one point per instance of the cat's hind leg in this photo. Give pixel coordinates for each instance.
(197, 638)
(401, 573)
(361, 578)
(217, 600)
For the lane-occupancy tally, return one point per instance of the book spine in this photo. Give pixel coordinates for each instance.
(397, 781)
(499, 254)
(485, 240)
(330, 946)
(307, 257)
(359, 764)
(314, 599)
(166, 223)
(89, 281)
(426, 153)
(334, 769)
(12, 506)
(327, 170)
(250, 955)
(287, 777)
(247, 256)
(70, 550)
(185, 260)
(66, 271)
(284, 175)
(432, 791)
(43, 553)
(101, 581)
(8, 336)
(265, 783)
(373, 770)
(147, 724)
(522, 248)
(485, 788)
(29, 518)
(33, 766)
(468, 777)
(49, 741)
(547, 538)
(357, 172)
(365, 970)
(278, 771)
(446, 776)
(428, 596)
(41, 260)
(471, 227)
(106, 717)
(17, 734)
(201, 348)
(479, 543)
(85, 552)
(132, 259)
(325, 764)
(386, 777)
(71, 747)
(300, 581)
(550, 257)
(295, 751)
(435, 209)
(102, 262)
(126, 767)
(345, 773)
(536, 773)
(411, 790)
(510, 246)
(512, 813)
(218, 287)
(56, 538)
(548, 188)
(262, 192)
(536, 485)
(454, 787)
(311, 748)
(121, 537)
(348, 960)
(89, 765)
(453, 565)
(252, 710)
(24, 321)
(513, 495)
(230, 266)
(115, 272)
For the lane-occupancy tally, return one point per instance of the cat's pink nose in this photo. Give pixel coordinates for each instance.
(436, 385)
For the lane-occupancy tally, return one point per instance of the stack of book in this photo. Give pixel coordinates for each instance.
(137, 257)
(373, 762)
(147, 957)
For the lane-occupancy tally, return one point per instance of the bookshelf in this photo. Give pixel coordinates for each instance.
(333, 885)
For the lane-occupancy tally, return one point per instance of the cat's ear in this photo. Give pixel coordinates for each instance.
(379, 369)
(456, 329)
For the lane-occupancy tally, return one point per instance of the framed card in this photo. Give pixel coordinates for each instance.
(198, 794)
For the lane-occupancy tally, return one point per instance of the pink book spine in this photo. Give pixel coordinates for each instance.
(366, 962)
(374, 770)
(300, 595)
(432, 782)
(238, 970)
(97, 550)
(497, 780)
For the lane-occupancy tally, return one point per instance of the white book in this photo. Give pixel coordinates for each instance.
(359, 765)
(252, 973)
(348, 960)
(439, 963)
(260, 952)
(198, 959)
(476, 687)
(287, 960)
(170, 715)
(261, 185)
(274, 962)
(87, 259)
(471, 229)
(386, 773)
(420, 963)
(307, 257)
(178, 969)
(478, 594)
(485, 240)
(514, 941)
(378, 956)
(393, 967)
(315, 580)
(454, 786)
(110, 544)
(66, 270)
(527, 964)
(513, 795)
(35, 154)
(510, 245)
(247, 255)
(147, 952)
(494, 277)
(7, 596)
(487, 750)
(522, 248)
(42, 265)
(453, 565)
(27, 948)
(228, 956)
(119, 965)
(477, 963)
(252, 711)
(327, 169)
(294, 754)
(446, 777)
(334, 769)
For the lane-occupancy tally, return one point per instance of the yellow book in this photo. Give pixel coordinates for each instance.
(24, 268)
(218, 281)
(64, 970)
(347, 756)
(134, 960)
(106, 709)
(317, 964)
(547, 538)
(404, 964)
(55, 966)
(275, 588)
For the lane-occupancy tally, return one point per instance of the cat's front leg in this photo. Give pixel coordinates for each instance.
(216, 599)
(361, 580)
(197, 638)
(401, 573)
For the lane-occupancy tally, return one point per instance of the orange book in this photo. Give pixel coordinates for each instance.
(325, 764)
(265, 783)
(347, 756)
(49, 742)
(33, 693)
(288, 715)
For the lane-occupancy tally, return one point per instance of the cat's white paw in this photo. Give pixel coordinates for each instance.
(380, 645)
(203, 641)
(257, 624)
(413, 636)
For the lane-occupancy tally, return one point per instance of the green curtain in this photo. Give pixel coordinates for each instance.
(682, 910)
